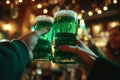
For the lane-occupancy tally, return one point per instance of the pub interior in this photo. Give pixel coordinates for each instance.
(17, 18)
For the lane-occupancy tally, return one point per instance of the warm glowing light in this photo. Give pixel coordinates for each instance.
(53, 1)
(97, 29)
(105, 8)
(90, 13)
(99, 11)
(7, 27)
(45, 11)
(113, 24)
(32, 0)
(20, 1)
(8, 2)
(79, 32)
(100, 43)
(16, 2)
(39, 6)
(96, 9)
(82, 11)
(115, 1)
(32, 19)
(79, 16)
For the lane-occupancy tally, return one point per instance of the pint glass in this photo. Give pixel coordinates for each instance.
(65, 32)
(42, 50)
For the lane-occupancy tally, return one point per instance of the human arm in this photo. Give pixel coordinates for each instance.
(83, 53)
(100, 68)
(104, 69)
(13, 59)
(15, 55)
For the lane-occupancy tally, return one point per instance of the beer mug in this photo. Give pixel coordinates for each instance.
(65, 32)
(43, 49)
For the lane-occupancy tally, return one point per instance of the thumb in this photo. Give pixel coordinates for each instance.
(30, 39)
(41, 31)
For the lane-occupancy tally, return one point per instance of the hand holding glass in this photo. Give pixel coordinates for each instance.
(65, 32)
(43, 49)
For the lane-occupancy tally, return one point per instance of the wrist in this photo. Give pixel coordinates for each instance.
(29, 50)
(88, 62)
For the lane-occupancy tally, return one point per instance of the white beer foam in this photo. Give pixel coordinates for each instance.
(66, 13)
(44, 18)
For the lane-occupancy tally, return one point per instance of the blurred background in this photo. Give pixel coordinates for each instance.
(98, 16)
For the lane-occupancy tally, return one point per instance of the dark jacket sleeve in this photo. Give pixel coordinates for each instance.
(104, 69)
(96, 50)
(13, 59)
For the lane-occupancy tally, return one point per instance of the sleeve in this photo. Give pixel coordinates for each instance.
(104, 69)
(13, 59)
(96, 50)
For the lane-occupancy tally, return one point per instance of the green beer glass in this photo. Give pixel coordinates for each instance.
(65, 32)
(43, 49)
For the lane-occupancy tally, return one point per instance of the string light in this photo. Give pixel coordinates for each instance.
(79, 16)
(33, 0)
(39, 6)
(82, 11)
(7, 27)
(7, 1)
(20, 1)
(99, 11)
(45, 11)
(90, 13)
(95, 9)
(115, 1)
(105, 8)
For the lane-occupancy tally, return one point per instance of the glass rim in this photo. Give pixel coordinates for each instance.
(46, 18)
(70, 13)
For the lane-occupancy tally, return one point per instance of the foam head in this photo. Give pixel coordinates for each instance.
(70, 13)
(46, 18)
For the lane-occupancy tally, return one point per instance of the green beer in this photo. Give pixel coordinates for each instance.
(43, 49)
(65, 32)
